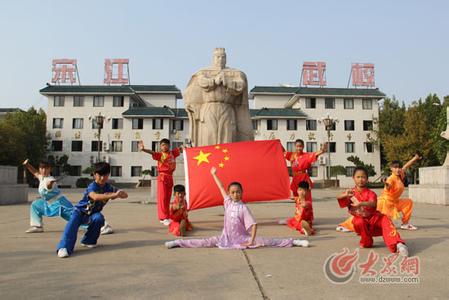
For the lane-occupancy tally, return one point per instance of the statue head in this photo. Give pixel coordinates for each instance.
(219, 58)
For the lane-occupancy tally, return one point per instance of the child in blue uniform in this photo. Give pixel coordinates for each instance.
(88, 211)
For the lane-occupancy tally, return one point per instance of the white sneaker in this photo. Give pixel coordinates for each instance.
(62, 253)
(35, 229)
(301, 243)
(408, 226)
(106, 229)
(89, 245)
(171, 244)
(166, 222)
(342, 229)
(402, 249)
(282, 222)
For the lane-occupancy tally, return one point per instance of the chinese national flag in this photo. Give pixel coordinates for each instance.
(258, 165)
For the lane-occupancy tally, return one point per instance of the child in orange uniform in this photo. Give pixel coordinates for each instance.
(367, 221)
(389, 203)
(178, 213)
(302, 221)
(166, 165)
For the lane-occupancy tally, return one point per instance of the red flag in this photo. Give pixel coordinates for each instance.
(258, 165)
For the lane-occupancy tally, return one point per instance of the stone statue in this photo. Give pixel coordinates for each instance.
(216, 101)
(445, 134)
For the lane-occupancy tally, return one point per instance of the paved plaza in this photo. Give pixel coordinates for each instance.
(133, 263)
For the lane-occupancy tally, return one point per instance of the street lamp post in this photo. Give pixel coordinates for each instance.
(328, 124)
(99, 121)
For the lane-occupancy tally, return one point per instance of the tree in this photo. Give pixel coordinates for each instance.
(337, 170)
(358, 163)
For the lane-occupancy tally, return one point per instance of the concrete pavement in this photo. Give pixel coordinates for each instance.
(133, 263)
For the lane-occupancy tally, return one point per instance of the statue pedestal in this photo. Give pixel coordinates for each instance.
(433, 186)
(10, 191)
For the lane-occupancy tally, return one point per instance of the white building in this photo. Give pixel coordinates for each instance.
(290, 113)
(149, 113)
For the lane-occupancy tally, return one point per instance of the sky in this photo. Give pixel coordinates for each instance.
(167, 41)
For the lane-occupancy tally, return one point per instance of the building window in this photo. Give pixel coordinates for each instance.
(154, 172)
(78, 101)
(58, 122)
(367, 125)
(75, 171)
(311, 147)
(349, 103)
(56, 146)
(136, 171)
(291, 124)
(58, 101)
(310, 102)
(329, 103)
(95, 125)
(137, 123)
(116, 171)
(117, 123)
(98, 101)
(134, 146)
(77, 146)
(369, 147)
(255, 126)
(272, 124)
(313, 171)
(178, 125)
(349, 171)
(310, 124)
(291, 147)
(175, 145)
(94, 146)
(349, 125)
(332, 147)
(155, 146)
(367, 104)
(158, 123)
(117, 146)
(77, 123)
(349, 147)
(118, 101)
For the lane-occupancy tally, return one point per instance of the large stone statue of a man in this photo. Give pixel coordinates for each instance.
(216, 100)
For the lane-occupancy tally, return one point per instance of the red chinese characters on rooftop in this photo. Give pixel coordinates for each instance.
(362, 75)
(114, 71)
(64, 71)
(313, 73)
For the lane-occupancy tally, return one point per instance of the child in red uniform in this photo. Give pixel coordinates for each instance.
(178, 213)
(302, 221)
(367, 221)
(300, 163)
(166, 165)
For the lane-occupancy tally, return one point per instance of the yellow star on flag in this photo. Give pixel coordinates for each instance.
(217, 147)
(221, 165)
(226, 158)
(225, 150)
(202, 157)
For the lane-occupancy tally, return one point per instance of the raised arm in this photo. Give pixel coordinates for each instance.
(411, 161)
(30, 168)
(322, 150)
(142, 148)
(108, 196)
(213, 171)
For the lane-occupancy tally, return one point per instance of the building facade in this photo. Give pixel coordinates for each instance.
(149, 113)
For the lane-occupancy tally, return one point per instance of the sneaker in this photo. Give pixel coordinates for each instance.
(34, 229)
(402, 249)
(342, 229)
(300, 243)
(306, 228)
(89, 245)
(408, 226)
(282, 222)
(62, 253)
(171, 244)
(182, 228)
(166, 222)
(106, 229)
